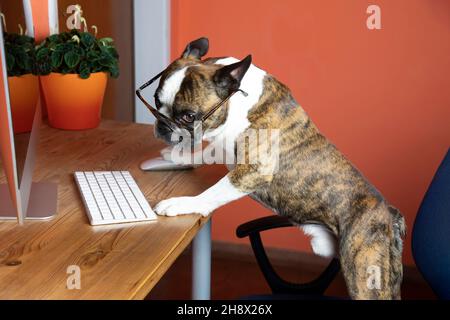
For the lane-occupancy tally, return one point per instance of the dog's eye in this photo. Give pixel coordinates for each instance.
(188, 117)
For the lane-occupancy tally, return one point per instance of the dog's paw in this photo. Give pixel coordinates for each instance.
(166, 153)
(182, 205)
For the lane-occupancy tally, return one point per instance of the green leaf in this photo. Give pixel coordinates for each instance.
(27, 64)
(21, 58)
(85, 73)
(28, 47)
(84, 70)
(87, 39)
(84, 65)
(56, 59)
(114, 72)
(10, 62)
(54, 38)
(96, 68)
(21, 40)
(106, 41)
(59, 47)
(105, 62)
(69, 46)
(113, 52)
(80, 51)
(65, 47)
(42, 53)
(44, 67)
(72, 59)
(92, 55)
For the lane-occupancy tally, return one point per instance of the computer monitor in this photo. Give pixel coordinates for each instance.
(20, 198)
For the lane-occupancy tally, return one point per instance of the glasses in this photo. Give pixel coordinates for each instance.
(174, 122)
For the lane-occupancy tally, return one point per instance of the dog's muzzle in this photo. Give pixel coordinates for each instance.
(174, 135)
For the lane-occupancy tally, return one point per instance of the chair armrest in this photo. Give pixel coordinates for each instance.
(262, 224)
(252, 229)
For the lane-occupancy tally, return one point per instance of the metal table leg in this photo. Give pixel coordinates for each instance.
(201, 264)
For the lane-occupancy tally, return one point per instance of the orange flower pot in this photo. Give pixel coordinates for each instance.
(23, 96)
(74, 103)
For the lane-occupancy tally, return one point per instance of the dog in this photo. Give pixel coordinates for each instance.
(314, 185)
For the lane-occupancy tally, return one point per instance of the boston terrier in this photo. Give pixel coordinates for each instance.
(309, 181)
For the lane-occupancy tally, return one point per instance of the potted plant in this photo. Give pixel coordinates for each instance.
(74, 68)
(20, 61)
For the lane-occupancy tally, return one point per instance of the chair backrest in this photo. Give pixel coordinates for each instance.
(431, 232)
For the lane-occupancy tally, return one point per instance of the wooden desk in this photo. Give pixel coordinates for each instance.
(117, 262)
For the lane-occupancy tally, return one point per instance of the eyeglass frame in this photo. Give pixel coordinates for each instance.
(162, 117)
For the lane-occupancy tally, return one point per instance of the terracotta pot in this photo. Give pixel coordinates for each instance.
(74, 103)
(23, 96)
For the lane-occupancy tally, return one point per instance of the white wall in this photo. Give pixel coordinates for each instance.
(151, 48)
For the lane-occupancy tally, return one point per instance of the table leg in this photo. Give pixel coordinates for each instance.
(201, 264)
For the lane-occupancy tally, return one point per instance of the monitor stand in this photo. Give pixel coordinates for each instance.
(41, 206)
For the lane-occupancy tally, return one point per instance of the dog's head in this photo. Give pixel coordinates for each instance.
(190, 87)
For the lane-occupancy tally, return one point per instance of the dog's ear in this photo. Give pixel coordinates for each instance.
(230, 77)
(196, 49)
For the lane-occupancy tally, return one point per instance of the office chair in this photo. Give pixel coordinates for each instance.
(431, 233)
(430, 246)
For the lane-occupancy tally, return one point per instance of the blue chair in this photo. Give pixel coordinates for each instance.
(431, 233)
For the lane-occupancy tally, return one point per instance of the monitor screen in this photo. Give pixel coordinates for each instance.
(20, 113)
(9, 191)
(19, 52)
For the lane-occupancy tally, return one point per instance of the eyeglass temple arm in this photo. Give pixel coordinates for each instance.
(210, 112)
(149, 82)
(138, 93)
(149, 107)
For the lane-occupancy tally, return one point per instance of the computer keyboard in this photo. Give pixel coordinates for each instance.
(112, 197)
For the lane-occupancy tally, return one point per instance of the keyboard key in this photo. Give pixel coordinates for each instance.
(138, 194)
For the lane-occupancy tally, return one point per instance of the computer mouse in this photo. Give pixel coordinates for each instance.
(160, 164)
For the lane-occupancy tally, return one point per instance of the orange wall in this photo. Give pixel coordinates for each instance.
(383, 96)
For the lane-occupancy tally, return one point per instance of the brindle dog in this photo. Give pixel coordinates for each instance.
(315, 185)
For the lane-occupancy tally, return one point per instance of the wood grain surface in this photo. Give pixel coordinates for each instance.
(117, 262)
